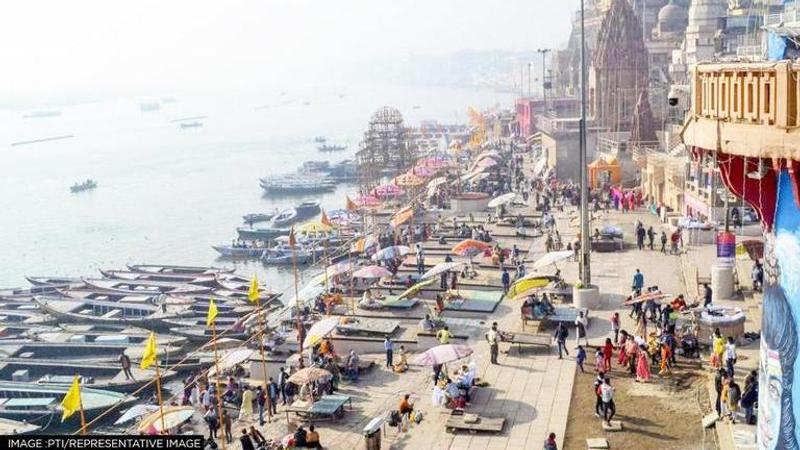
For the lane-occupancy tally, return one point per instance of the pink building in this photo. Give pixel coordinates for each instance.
(526, 123)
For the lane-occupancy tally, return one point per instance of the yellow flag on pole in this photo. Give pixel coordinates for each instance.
(149, 355)
(252, 293)
(212, 313)
(71, 401)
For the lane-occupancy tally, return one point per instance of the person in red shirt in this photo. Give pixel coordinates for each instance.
(608, 351)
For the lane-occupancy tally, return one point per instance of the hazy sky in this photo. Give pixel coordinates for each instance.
(58, 46)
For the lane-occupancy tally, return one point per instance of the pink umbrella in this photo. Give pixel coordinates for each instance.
(372, 272)
(388, 190)
(442, 354)
(367, 201)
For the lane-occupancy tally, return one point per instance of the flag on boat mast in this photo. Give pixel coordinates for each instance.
(72, 401)
(324, 219)
(149, 355)
(351, 205)
(212, 313)
(252, 293)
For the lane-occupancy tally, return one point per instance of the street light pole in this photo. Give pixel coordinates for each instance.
(544, 52)
(585, 272)
(530, 67)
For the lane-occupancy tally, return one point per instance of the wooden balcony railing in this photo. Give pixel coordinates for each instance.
(745, 109)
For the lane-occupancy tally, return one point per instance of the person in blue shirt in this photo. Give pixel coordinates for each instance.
(638, 282)
(581, 357)
(388, 345)
(506, 278)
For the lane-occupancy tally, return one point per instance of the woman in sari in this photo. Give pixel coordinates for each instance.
(642, 365)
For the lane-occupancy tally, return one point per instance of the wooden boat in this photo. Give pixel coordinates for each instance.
(230, 251)
(11, 294)
(203, 335)
(10, 427)
(98, 375)
(24, 332)
(40, 404)
(52, 281)
(260, 234)
(135, 337)
(86, 351)
(25, 316)
(90, 293)
(162, 277)
(111, 313)
(185, 270)
(285, 218)
(144, 287)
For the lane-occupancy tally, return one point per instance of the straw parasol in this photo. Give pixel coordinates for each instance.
(309, 375)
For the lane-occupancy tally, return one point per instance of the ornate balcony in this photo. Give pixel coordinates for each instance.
(749, 114)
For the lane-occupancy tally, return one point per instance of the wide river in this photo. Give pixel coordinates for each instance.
(166, 193)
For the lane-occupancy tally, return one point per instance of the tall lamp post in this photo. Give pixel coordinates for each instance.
(585, 272)
(543, 52)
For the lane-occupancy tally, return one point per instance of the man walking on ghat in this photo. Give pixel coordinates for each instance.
(607, 395)
(560, 336)
(125, 362)
(491, 337)
(638, 282)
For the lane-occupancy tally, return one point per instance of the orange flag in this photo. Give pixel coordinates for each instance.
(292, 239)
(351, 205)
(324, 219)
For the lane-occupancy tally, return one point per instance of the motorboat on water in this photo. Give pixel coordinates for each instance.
(84, 186)
(297, 183)
(285, 218)
(238, 251)
(259, 217)
(262, 234)
(320, 139)
(307, 209)
(285, 255)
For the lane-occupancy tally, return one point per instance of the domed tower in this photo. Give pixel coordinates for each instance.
(706, 17)
(619, 70)
(672, 21)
